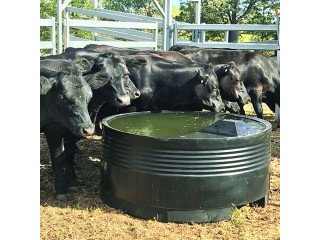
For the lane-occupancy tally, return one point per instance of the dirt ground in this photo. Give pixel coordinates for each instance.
(85, 216)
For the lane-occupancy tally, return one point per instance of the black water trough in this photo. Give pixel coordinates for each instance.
(185, 166)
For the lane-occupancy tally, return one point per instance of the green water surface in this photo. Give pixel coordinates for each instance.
(174, 124)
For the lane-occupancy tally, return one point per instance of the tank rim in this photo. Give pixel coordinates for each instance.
(267, 124)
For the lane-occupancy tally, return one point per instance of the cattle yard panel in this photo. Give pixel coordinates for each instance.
(126, 30)
(130, 34)
(226, 27)
(51, 22)
(92, 25)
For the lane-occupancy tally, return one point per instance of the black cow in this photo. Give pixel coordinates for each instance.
(259, 73)
(63, 108)
(108, 78)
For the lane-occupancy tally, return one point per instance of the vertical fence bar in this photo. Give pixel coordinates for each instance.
(67, 31)
(164, 26)
(202, 35)
(277, 108)
(53, 35)
(278, 36)
(156, 37)
(198, 20)
(226, 36)
(175, 34)
(59, 25)
(169, 24)
(95, 5)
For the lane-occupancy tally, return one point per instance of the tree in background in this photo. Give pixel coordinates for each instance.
(232, 12)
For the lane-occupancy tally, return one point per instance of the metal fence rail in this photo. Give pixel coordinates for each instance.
(130, 34)
(98, 26)
(51, 22)
(200, 29)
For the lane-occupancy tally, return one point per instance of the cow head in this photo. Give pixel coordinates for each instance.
(67, 98)
(231, 84)
(110, 80)
(207, 89)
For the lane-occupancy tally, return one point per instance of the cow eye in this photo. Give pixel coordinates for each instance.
(60, 97)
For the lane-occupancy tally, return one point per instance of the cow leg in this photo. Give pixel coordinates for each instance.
(54, 135)
(256, 100)
(70, 149)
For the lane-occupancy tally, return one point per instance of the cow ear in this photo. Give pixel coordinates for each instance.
(46, 84)
(82, 64)
(114, 57)
(97, 80)
(137, 62)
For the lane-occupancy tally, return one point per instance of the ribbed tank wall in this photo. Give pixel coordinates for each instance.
(184, 180)
(186, 162)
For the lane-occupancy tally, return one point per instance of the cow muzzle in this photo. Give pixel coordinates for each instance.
(218, 106)
(88, 131)
(123, 100)
(137, 94)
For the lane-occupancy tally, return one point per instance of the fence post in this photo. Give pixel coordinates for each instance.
(226, 36)
(169, 24)
(53, 35)
(277, 108)
(278, 36)
(164, 26)
(66, 31)
(202, 35)
(59, 24)
(156, 37)
(95, 5)
(175, 33)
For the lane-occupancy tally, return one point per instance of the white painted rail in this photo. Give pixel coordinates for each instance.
(52, 43)
(112, 28)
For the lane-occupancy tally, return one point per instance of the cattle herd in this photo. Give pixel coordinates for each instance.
(81, 86)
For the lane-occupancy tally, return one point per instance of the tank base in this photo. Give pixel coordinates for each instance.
(178, 216)
(167, 215)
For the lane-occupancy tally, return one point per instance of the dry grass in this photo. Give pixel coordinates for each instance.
(85, 216)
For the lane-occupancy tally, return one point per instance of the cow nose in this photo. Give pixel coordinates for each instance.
(137, 94)
(219, 106)
(88, 131)
(123, 100)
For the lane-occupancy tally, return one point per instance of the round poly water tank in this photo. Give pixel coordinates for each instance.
(184, 166)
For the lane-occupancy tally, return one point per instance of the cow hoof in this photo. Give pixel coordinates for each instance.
(62, 197)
